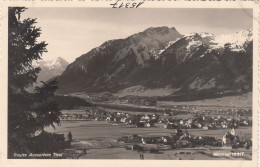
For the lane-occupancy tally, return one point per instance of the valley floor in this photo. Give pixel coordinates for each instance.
(99, 139)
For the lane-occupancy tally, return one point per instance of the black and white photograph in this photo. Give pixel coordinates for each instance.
(135, 84)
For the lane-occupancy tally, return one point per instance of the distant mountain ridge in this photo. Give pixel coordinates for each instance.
(116, 60)
(50, 68)
(198, 64)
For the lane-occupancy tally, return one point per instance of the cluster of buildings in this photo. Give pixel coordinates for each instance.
(174, 110)
(90, 113)
(139, 120)
(179, 139)
(167, 120)
(75, 116)
(205, 122)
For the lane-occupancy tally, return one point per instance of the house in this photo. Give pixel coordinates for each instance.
(244, 123)
(109, 118)
(154, 117)
(165, 139)
(145, 118)
(198, 125)
(147, 125)
(166, 114)
(224, 126)
(123, 119)
(79, 116)
(98, 118)
(232, 132)
(228, 138)
(187, 125)
(182, 143)
(205, 128)
(189, 121)
(224, 139)
(170, 126)
(128, 121)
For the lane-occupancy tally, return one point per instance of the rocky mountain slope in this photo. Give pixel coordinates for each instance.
(115, 62)
(195, 65)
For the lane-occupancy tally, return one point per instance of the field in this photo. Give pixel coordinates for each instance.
(243, 101)
(142, 91)
(217, 104)
(100, 140)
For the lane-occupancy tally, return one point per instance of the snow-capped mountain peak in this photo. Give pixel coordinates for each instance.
(51, 64)
(49, 69)
(236, 41)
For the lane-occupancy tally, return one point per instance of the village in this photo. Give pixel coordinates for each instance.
(169, 120)
(180, 123)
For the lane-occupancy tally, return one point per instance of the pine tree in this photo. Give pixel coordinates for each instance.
(28, 113)
(23, 48)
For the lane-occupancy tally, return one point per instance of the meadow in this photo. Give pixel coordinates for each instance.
(100, 140)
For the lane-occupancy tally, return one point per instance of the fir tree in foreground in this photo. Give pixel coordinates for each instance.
(28, 113)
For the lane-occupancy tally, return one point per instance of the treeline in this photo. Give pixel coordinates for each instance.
(69, 102)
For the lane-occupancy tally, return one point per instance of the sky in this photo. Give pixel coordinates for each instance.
(71, 32)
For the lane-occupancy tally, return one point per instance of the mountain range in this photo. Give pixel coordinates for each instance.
(50, 69)
(193, 66)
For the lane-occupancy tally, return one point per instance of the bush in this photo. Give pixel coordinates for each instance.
(47, 143)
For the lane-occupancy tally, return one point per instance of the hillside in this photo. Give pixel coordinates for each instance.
(116, 62)
(194, 66)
